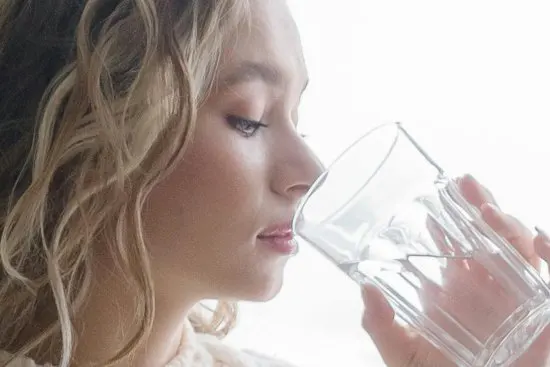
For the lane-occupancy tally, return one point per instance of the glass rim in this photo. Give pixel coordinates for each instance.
(321, 179)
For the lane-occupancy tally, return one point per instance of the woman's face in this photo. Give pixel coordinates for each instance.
(208, 224)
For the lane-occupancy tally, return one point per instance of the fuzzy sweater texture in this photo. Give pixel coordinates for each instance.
(196, 350)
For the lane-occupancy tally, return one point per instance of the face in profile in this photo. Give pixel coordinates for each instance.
(218, 226)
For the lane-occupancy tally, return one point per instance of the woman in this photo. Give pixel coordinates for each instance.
(150, 160)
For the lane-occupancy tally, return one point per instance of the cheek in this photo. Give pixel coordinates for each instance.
(220, 173)
(212, 200)
(201, 222)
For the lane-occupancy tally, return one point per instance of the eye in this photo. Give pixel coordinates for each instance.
(246, 127)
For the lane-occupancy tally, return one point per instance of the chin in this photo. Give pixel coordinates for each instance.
(263, 290)
(269, 293)
(260, 282)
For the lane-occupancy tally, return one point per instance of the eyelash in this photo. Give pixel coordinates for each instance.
(244, 126)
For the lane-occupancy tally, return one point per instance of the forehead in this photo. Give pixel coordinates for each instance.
(270, 39)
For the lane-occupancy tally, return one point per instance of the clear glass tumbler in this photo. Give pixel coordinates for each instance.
(386, 213)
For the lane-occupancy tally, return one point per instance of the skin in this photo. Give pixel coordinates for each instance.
(202, 222)
(401, 347)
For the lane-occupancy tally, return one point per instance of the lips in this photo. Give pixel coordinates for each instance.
(279, 238)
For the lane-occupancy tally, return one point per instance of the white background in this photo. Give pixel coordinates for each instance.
(470, 79)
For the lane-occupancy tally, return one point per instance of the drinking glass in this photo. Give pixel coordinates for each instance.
(386, 213)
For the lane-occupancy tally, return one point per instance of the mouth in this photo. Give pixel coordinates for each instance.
(279, 239)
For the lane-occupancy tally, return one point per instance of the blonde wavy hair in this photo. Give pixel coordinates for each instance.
(98, 102)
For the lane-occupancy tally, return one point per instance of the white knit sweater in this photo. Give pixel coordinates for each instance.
(196, 350)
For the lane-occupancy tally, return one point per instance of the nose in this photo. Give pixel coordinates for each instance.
(296, 170)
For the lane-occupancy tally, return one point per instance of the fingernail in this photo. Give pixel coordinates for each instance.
(469, 177)
(542, 234)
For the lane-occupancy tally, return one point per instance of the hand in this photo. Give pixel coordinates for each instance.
(402, 347)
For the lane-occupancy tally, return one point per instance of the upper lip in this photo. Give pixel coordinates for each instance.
(278, 230)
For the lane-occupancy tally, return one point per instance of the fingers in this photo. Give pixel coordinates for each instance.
(397, 345)
(379, 315)
(507, 226)
(439, 237)
(378, 320)
(446, 245)
(542, 245)
(475, 193)
(538, 352)
(512, 230)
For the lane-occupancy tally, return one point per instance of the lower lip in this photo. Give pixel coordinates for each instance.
(285, 245)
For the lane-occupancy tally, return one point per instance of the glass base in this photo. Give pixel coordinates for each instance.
(515, 342)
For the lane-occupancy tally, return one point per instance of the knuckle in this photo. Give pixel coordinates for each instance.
(511, 227)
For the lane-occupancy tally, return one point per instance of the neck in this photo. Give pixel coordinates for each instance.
(107, 322)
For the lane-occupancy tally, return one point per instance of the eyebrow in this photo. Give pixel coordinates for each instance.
(248, 71)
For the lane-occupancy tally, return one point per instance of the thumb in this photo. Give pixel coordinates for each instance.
(394, 342)
(398, 345)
